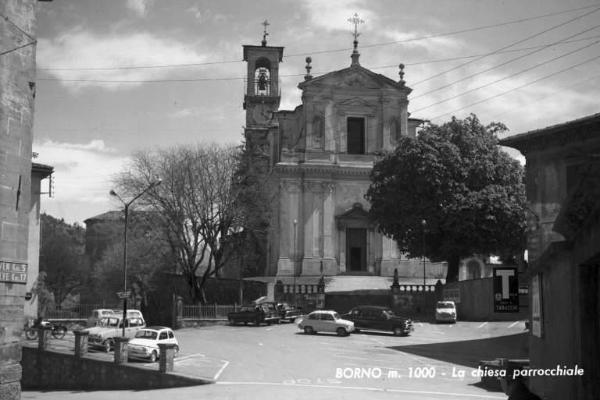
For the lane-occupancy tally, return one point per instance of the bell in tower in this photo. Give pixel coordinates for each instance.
(262, 81)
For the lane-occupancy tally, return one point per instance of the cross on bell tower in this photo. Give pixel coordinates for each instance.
(265, 23)
(355, 20)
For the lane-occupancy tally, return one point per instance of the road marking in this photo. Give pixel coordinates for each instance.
(513, 324)
(190, 356)
(365, 388)
(482, 325)
(221, 370)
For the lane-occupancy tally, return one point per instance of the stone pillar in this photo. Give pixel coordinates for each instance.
(120, 348)
(43, 337)
(81, 342)
(167, 354)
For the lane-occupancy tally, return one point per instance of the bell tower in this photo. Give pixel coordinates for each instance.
(262, 96)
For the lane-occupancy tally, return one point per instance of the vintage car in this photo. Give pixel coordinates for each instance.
(102, 335)
(445, 311)
(288, 312)
(256, 314)
(376, 318)
(145, 342)
(325, 321)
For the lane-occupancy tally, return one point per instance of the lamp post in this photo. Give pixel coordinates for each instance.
(126, 212)
(294, 261)
(423, 224)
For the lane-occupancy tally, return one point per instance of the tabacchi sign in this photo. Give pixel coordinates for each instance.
(506, 290)
(13, 272)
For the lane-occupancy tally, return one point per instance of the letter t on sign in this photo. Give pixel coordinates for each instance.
(505, 274)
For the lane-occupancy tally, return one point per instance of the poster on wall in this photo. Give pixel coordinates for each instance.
(506, 290)
(536, 306)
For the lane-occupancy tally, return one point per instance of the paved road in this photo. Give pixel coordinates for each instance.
(435, 362)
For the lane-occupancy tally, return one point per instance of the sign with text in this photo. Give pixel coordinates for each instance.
(13, 272)
(506, 290)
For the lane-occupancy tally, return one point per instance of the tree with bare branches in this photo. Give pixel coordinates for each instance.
(196, 205)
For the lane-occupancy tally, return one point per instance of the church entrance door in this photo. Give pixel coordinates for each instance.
(356, 249)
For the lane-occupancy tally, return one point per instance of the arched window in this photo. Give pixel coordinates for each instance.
(262, 77)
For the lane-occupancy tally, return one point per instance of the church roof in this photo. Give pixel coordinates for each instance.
(352, 74)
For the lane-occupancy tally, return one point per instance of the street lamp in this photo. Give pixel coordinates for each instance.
(423, 224)
(294, 261)
(126, 211)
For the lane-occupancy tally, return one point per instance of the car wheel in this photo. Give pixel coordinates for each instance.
(59, 332)
(309, 330)
(231, 322)
(341, 332)
(257, 322)
(245, 322)
(153, 357)
(107, 345)
(31, 333)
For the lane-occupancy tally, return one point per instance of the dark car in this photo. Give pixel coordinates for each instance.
(376, 318)
(254, 314)
(288, 312)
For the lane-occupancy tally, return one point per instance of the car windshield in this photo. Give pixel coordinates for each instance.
(112, 322)
(336, 315)
(144, 334)
(445, 305)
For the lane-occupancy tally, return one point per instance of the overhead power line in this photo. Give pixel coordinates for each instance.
(506, 77)
(186, 65)
(508, 46)
(518, 87)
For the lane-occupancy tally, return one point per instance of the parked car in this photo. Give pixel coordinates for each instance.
(325, 321)
(103, 335)
(145, 342)
(255, 314)
(375, 318)
(445, 311)
(131, 313)
(98, 314)
(288, 312)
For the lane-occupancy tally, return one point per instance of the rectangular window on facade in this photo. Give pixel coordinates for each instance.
(356, 135)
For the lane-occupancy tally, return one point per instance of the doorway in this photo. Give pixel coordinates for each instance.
(356, 249)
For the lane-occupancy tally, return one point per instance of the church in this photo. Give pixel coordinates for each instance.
(319, 158)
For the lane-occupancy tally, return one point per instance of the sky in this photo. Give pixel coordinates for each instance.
(119, 76)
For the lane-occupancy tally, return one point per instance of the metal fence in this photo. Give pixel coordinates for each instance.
(208, 311)
(77, 311)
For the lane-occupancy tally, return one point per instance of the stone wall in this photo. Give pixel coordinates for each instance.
(50, 370)
(17, 89)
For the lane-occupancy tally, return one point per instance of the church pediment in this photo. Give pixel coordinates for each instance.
(357, 216)
(355, 77)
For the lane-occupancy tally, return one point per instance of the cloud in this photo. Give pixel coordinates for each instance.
(83, 174)
(81, 55)
(334, 14)
(140, 7)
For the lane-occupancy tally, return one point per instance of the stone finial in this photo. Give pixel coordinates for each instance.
(401, 73)
(308, 76)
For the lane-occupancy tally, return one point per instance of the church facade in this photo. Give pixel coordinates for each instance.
(319, 157)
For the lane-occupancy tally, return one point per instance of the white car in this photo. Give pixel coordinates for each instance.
(146, 341)
(325, 321)
(104, 333)
(445, 311)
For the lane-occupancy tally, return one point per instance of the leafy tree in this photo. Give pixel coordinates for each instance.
(455, 177)
(61, 257)
(147, 255)
(195, 204)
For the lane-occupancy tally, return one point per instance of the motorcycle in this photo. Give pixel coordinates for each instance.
(56, 330)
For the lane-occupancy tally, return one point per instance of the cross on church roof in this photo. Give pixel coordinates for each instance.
(265, 23)
(355, 20)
